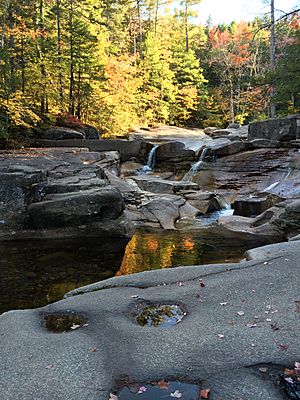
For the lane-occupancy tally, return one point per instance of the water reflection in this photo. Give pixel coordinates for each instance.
(155, 250)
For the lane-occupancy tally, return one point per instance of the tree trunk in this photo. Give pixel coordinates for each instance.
(156, 16)
(272, 59)
(59, 55)
(139, 14)
(78, 113)
(11, 48)
(72, 80)
(41, 54)
(3, 23)
(186, 23)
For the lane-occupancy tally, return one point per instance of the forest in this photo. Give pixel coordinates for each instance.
(116, 64)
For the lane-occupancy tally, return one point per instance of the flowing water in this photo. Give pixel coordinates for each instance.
(196, 167)
(150, 161)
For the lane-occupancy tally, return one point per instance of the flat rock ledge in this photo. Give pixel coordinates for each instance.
(242, 324)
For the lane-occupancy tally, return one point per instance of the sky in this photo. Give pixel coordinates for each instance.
(229, 10)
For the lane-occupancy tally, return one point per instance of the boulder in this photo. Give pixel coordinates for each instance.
(19, 186)
(91, 133)
(75, 209)
(205, 202)
(165, 210)
(172, 150)
(223, 148)
(60, 133)
(157, 185)
(276, 130)
(251, 206)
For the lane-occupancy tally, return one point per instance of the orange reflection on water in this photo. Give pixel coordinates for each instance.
(188, 243)
(152, 244)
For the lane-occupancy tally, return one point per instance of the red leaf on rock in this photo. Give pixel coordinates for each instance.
(204, 393)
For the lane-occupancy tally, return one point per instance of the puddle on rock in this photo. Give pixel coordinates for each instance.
(59, 323)
(162, 389)
(163, 316)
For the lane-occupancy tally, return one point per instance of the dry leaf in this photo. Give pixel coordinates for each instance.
(283, 347)
(176, 394)
(204, 393)
(163, 385)
(142, 389)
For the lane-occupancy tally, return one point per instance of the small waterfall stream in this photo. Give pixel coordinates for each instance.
(196, 167)
(150, 161)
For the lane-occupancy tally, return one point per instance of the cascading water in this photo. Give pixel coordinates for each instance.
(150, 161)
(273, 185)
(196, 167)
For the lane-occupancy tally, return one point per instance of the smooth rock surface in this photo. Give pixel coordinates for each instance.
(224, 339)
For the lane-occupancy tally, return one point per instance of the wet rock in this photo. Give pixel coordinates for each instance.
(205, 202)
(60, 133)
(279, 222)
(251, 206)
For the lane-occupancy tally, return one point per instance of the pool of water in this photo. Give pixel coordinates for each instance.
(36, 273)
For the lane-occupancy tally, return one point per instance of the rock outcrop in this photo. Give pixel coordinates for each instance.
(59, 193)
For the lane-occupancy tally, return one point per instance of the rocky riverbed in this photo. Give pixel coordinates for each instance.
(238, 327)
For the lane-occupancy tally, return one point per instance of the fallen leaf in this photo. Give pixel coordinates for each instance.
(289, 380)
(283, 347)
(176, 394)
(263, 370)
(163, 385)
(204, 393)
(202, 284)
(289, 372)
(142, 389)
(113, 397)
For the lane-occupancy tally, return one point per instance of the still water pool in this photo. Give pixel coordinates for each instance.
(35, 273)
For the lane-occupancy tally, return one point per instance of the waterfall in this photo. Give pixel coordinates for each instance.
(150, 161)
(196, 167)
(273, 185)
